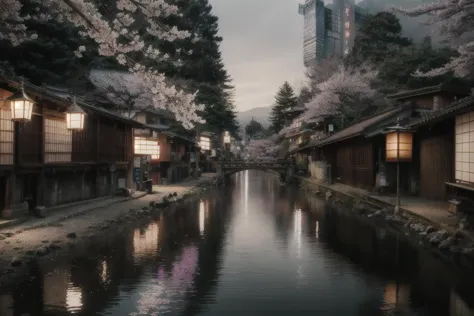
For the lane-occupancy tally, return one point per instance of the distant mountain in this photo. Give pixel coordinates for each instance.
(260, 114)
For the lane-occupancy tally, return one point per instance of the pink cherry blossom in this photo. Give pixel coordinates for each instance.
(115, 36)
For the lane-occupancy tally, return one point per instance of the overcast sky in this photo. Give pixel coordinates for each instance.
(262, 47)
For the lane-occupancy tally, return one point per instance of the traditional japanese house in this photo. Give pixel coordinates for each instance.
(171, 151)
(53, 161)
(431, 98)
(292, 113)
(425, 175)
(307, 132)
(446, 145)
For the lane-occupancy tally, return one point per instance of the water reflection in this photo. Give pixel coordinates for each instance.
(145, 241)
(250, 248)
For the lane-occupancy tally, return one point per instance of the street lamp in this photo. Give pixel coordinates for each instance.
(75, 117)
(21, 105)
(399, 148)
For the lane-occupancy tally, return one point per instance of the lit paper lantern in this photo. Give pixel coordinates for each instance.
(399, 146)
(75, 117)
(21, 106)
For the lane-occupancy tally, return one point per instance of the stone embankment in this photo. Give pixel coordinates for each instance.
(23, 245)
(452, 243)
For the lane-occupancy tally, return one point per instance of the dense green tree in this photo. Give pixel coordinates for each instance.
(305, 95)
(50, 59)
(253, 128)
(284, 100)
(378, 37)
(200, 64)
(397, 72)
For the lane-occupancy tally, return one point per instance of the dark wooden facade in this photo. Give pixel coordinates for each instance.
(54, 165)
(437, 157)
(352, 161)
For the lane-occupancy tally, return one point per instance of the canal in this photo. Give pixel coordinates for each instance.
(250, 248)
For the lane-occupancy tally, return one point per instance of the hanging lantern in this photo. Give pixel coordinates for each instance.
(75, 117)
(226, 137)
(21, 105)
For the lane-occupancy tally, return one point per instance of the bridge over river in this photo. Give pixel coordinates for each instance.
(285, 168)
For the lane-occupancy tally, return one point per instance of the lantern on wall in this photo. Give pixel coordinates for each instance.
(21, 105)
(205, 143)
(75, 117)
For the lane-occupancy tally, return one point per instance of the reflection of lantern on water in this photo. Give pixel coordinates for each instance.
(103, 272)
(317, 229)
(297, 228)
(202, 217)
(246, 192)
(6, 305)
(73, 298)
(396, 295)
(146, 241)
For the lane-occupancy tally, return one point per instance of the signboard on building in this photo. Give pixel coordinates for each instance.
(347, 27)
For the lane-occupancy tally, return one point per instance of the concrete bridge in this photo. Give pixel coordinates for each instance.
(225, 168)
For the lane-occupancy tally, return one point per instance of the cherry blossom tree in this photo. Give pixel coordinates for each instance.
(263, 149)
(454, 19)
(117, 36)
(347, 94)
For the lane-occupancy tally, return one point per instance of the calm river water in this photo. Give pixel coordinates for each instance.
(251, 248)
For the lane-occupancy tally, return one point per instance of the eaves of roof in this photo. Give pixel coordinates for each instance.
(456, 108)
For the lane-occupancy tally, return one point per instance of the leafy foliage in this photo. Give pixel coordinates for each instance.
(347, 94)
(253, 128)
(396, 73)
(284, 100)
(454, 19)
(378, 37)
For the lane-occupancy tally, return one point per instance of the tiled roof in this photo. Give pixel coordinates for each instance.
(428, 90)
(61, 97)
(173, 134)
(297, 108)
(459, 107)
(358, 128)
(355, 129)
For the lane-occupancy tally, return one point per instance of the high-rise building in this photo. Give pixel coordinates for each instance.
(329, 28)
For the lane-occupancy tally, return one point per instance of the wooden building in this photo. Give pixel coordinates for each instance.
(43, 160)
(172, 152)
(440, 162)
(446, 140)
(352, 155)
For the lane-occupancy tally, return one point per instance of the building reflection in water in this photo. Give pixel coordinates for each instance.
(316, 229)
(59, 292)
(459, 307)
(298, 230)
(145, 241)
(6, 305)
(396, 298)
(167, 288)
(246, 192)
